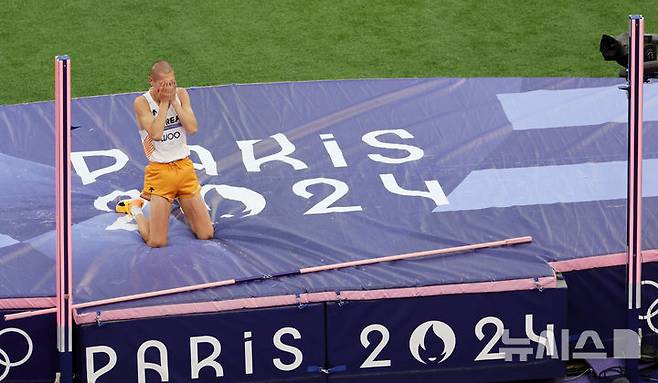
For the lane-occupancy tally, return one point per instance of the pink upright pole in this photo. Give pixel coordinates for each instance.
(634, 204)
(63, 263)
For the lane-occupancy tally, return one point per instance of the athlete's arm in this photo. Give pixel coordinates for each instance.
(145, 119)
(185, 112)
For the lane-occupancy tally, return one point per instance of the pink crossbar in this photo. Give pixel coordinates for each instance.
(315, 269)
(287, 300)
(335, 266)
(30, 314)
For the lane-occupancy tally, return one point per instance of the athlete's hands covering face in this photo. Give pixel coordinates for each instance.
(167, 90)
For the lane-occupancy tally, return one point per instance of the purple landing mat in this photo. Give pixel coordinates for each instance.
(313, 173)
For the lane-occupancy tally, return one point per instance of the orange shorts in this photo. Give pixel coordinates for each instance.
(170, 180)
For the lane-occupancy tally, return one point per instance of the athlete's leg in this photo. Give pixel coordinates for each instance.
(197, 216)
(134, 208)
(158, 222)
(142, 226)
(159, 188)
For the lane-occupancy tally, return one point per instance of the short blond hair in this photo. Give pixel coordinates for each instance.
(161, 66)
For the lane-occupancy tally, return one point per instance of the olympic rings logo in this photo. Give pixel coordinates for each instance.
(651, 311)
(4, 357)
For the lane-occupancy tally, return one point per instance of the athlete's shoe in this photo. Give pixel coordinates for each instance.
(125, 205)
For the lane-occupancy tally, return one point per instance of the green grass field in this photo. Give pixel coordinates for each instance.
(112, 43)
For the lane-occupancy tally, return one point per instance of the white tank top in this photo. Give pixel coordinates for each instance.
(173, 145)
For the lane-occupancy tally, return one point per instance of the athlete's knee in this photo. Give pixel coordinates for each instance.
(156, 242)
(204, 234)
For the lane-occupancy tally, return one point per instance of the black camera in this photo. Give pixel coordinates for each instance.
(615, 48)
